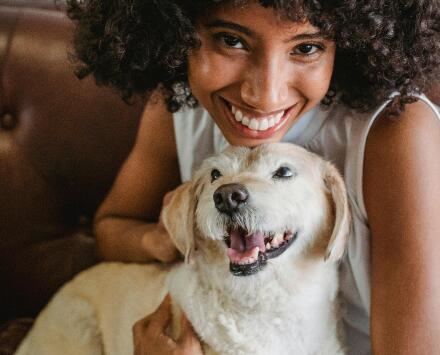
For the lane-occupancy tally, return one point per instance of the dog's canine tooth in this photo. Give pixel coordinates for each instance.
(277, 239)
(267, 246)
(288, 236)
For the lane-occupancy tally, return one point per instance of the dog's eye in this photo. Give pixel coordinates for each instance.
(215, 174)
(283, 173)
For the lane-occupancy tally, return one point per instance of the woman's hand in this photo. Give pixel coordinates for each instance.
(158, 242)
(150, 339)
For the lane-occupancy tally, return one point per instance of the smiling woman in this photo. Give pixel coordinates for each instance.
(344, 79)
(256, 73)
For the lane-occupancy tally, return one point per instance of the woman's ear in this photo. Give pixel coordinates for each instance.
(338, 240)
(178, 217)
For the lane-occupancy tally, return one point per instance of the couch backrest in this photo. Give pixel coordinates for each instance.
(62, 142)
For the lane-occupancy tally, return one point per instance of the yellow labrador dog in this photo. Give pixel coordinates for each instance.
(261, 229)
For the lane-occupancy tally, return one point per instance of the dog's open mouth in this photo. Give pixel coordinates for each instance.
(248, 252)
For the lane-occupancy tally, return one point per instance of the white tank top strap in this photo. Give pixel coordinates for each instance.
(194, 133)
(363, 141)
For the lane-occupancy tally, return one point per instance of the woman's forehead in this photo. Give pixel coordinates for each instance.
(295, 10)
(253, 17)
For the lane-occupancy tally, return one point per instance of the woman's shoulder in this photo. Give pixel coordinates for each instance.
(156, 124)
(413, 134)
(358, 127)
(401, 155)
(155, 144)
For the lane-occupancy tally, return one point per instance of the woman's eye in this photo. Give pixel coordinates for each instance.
(283, 173)
(230, 40)
(306, 49)
(215, 174)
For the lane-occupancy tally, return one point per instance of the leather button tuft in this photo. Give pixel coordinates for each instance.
(7, 121)
(83, 221)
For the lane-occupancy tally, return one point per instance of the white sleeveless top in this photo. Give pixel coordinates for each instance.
(339, 135)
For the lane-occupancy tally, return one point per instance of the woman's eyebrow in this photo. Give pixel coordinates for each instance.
(250, 33)
(305, 36)
(230, 25)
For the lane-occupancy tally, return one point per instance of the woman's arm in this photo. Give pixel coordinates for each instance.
(126, 223)
(402, 197)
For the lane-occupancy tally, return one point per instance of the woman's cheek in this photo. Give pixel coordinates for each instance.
(315, 81)
(209, 72)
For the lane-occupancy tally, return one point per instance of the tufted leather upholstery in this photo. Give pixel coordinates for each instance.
(62, 142)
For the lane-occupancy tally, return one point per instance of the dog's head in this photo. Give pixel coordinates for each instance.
(262, 204)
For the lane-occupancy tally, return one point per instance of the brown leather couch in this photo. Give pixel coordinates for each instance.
(62, 141)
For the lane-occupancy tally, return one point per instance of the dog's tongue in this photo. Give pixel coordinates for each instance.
(241, 244)
(255, 240)
(244, 249)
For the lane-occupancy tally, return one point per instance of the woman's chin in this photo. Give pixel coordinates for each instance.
(239, 140)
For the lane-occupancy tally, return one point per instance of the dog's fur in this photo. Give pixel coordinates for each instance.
(288, 307)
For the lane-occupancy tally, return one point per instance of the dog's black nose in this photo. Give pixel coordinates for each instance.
(230, 197)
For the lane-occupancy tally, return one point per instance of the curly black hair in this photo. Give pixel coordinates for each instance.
(382, 46)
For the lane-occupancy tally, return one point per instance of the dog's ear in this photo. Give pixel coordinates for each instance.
(338, 240)
(178, 217)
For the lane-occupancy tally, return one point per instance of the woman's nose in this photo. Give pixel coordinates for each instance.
(266, 86)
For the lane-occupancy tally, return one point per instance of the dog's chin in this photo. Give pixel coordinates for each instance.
(249, 252)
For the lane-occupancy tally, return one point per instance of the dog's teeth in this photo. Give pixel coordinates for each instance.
(288, 236)
(267, 246)
(277, 239)
(270, 236)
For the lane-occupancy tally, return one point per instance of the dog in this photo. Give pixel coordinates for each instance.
(262, 231)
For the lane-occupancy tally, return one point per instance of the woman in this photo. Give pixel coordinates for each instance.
(342, 78)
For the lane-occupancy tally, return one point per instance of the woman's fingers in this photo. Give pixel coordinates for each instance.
(149, 333)
(161, 318)
(188, 338)
(167, 198)
(159, 244)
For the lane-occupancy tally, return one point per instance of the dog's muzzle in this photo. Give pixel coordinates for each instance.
(248, 252)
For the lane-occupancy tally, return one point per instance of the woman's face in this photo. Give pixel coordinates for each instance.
(257, 74)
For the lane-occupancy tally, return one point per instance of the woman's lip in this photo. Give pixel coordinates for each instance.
(256, 115)
(250, 133)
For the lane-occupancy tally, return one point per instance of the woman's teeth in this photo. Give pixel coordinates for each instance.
(260, 124)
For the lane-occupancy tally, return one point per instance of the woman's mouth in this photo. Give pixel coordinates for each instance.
(260, 124)
(257, 127)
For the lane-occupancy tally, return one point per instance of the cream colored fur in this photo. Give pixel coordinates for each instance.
(289, 307)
